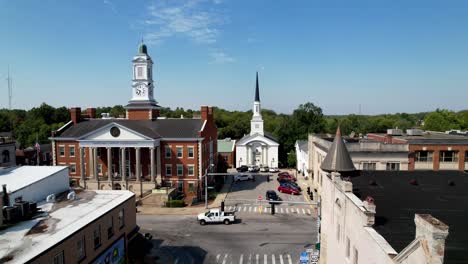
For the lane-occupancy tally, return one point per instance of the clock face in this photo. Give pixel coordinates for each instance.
(115, 131)
(140, 90)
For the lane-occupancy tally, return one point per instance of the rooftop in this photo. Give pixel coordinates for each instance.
(17, 178)
(226, 145)
(431, 137)
(28, 239)
(303, 145)
(398, 198)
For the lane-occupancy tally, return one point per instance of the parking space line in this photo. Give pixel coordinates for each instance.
(303, 210)
(308, 211)
(265, 259)
(281, 259)
(256, 259)
(273, 260)
(289, 259)
(241, 260)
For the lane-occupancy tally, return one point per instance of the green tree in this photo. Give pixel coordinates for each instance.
(292, 159)
(441, 120)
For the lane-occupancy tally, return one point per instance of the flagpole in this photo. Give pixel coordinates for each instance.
(37, 149)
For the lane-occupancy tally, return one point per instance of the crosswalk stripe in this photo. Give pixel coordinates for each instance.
(250, 209)
(217, 258)
(308, 211)
(281, 259)
(303, 210)
(281, 209)
(241, 260)
(289, 259)
(255, 209)
(287, 210)
(273, 260)
(265, 259)
(250, 259)
(245, 209)
(265, 209)
(256, 259)
(224, 259)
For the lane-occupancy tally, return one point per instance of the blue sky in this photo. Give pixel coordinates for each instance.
(387, 56)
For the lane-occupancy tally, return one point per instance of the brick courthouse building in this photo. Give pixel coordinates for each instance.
(141, 151)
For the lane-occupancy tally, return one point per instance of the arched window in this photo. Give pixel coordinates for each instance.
(5, 156)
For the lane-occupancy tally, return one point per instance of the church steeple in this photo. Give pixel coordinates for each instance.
(257, 91)
(256, 124)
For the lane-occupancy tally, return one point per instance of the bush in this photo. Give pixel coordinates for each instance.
(175, 203)
(212, 195)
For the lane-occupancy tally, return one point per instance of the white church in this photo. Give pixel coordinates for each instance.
(259, 147)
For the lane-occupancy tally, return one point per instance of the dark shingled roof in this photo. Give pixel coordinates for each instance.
(257, 91)
(397, 202)
(338, 159)
(166, 128)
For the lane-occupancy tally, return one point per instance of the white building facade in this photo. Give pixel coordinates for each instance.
(257, 148)
(302, 157)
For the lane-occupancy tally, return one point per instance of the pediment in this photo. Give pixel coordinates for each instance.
(114, 132)
(256, 138)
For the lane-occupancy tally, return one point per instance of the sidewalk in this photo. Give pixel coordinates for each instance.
(189, 210)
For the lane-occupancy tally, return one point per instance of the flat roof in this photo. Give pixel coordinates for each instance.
(429, 137)
(17, 178)
(28, 239)
(439, 193)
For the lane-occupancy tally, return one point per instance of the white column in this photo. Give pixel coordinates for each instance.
(82, 167)
(122, 164)
(96, 176)
(247, 161)
(152, 167)
(109, 164)
(138, 164)
(90, 162)
(158, 166)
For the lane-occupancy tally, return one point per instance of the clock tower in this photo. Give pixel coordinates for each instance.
(142, 105)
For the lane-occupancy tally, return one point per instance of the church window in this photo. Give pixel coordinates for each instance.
(256, 126)
(256, 108)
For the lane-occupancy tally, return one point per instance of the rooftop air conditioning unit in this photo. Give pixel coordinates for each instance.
(394, 132)
(414, 132)
(50, 198)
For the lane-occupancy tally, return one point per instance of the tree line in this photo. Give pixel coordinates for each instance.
(37, 123)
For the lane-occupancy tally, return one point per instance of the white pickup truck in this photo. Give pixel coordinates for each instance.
(216, 216)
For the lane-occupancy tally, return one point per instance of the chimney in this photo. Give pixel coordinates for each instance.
(434, 232)
(75, 114)
(204, 112)
(91, 112)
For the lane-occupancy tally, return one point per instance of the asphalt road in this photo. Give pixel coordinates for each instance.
(258, 236)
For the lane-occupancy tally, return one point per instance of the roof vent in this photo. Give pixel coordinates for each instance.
(71, 196)
(394, 132)
(413, 182)
(414, 132)
(451, 183)
(50, 198)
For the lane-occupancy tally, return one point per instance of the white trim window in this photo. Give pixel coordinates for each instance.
(191, 152)
(191, 170)
(61, 151)
(180, 170)
(180, 151)
(71, 150)
(167, 152)
(168, 169)
(191, 187)
(72, 168)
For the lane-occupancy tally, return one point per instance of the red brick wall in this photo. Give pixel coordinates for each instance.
(138, 114)
(436, 149)
(66, 159)
(229, 156)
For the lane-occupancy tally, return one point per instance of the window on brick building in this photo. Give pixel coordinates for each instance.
(394, 166)
(168, 169)
(72, 168)
(448, 156)
(191, 170)
(180, 186)
(191, 187)
(97, 236)
(180, 170)
(368, 166)
(190, 152)
(179, 152)
(72, 151)
(62, 151)
(167, 152)
(59, 258)
(423, 156)
(466, 158)
(80, 249)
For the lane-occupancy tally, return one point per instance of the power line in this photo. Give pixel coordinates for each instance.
(10, 88)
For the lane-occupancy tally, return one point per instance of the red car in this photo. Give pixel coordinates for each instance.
(288, 189)
(287, 177)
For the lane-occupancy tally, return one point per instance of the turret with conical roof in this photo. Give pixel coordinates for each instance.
(257, 91)
(338, 159)
(142, 49)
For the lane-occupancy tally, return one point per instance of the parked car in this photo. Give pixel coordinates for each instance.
(254, 168)
(283, 173)
(287, 177)
(272, 197)
(283, 188)
(243, 177)
(216, 216)
(274, 169)
(242, 168)
(264, 169)
(291, 182)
